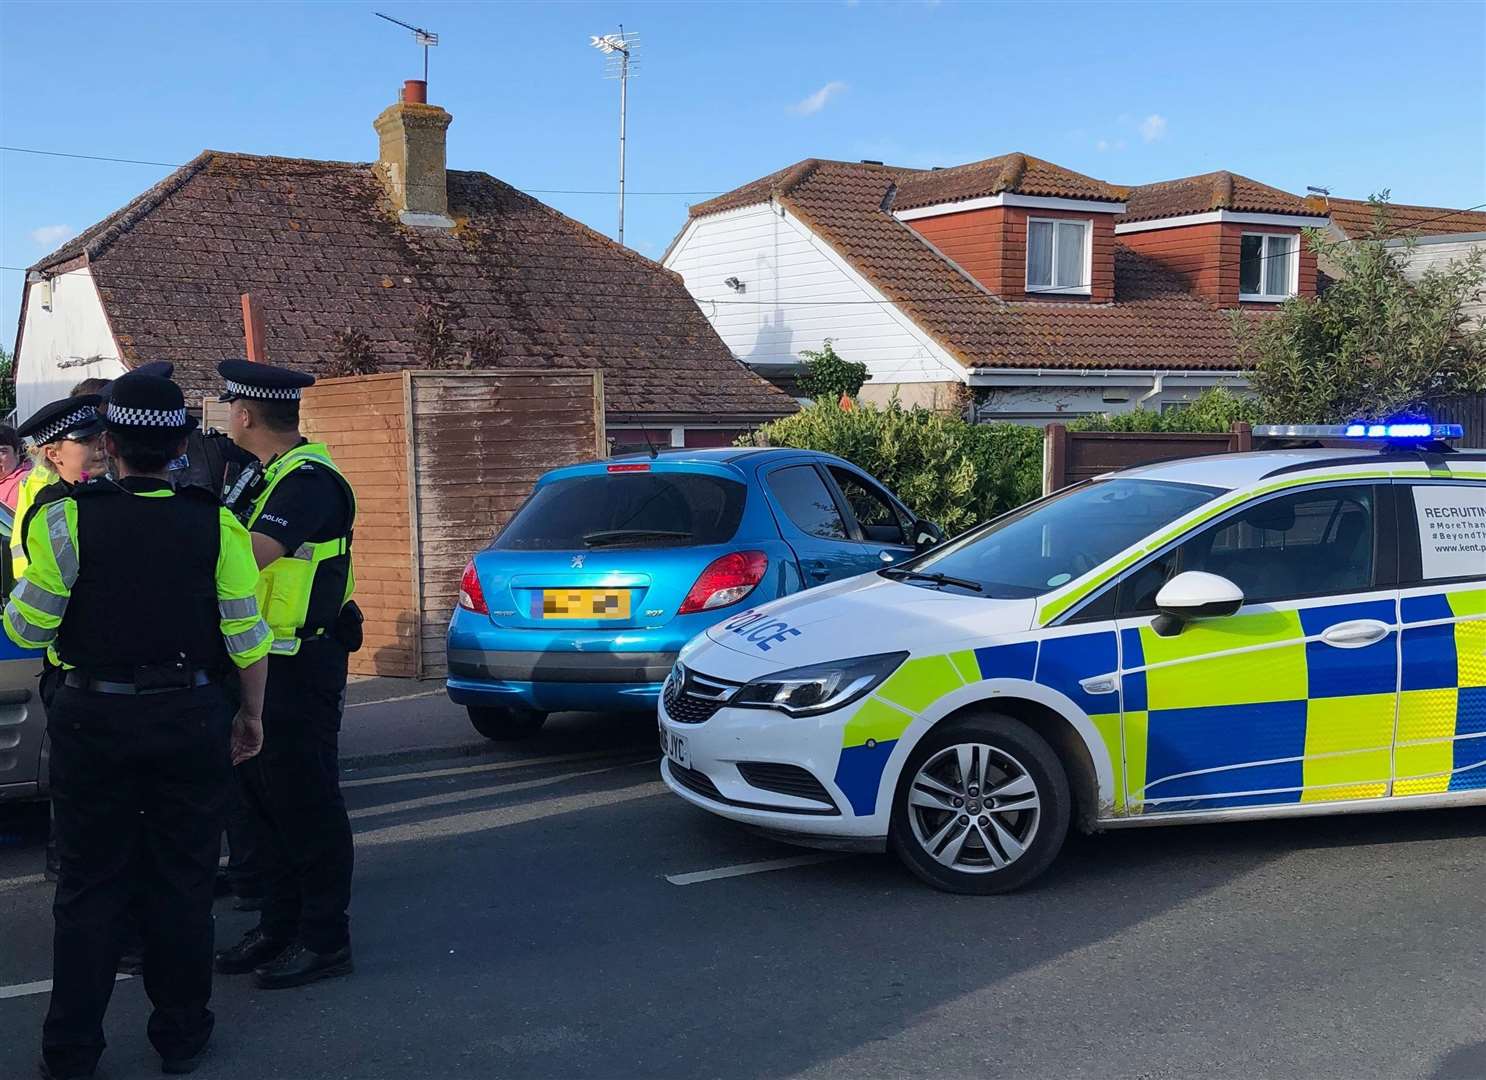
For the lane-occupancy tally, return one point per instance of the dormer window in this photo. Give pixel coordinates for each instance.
(1058, 253)
(1268, 266)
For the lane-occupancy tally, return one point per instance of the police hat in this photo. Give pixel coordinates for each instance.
(162, 368)
(70, 418)
(261, 382)
(144, 404)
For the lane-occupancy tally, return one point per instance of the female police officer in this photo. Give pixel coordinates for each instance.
(142, 736)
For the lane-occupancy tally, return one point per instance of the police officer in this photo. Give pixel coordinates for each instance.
(65, 444)
(300, 517)
(142, 736)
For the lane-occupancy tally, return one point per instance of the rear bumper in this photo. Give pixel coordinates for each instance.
(561, 667)
(570, 696)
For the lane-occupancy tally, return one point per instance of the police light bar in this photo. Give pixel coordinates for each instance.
(1405, 431)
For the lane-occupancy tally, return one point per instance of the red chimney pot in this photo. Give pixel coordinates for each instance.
(415, 92)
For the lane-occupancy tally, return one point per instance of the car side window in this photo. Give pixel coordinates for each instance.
(1312, 543)
(1444, 532)
(805, 498)
(874, 511)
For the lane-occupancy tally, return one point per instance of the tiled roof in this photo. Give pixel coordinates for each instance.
(1010, 172)
(514, 284)
(1155, 322)
(1213, 191)
(1355, 216)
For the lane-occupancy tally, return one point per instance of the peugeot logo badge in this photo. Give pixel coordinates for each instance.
(578, 562)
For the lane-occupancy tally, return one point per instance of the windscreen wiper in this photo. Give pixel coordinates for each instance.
(621, 536)
(937, 579)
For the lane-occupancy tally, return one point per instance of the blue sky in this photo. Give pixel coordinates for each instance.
(1356, 97)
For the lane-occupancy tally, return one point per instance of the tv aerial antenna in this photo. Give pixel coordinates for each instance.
(619, 63)
(426, 38)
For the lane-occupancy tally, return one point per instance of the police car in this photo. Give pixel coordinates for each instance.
(1268, 634)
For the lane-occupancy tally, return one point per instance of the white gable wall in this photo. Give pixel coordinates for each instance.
(797, 293)
(58, 339)
(1438, 252)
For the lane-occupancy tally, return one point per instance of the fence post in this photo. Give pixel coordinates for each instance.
(1054, 458)
(253, 330)
(1240, 437)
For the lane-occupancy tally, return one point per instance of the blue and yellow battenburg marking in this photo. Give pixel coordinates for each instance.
(1237, 712)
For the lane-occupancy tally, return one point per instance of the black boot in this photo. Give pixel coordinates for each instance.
(252, 952)
(299, 965)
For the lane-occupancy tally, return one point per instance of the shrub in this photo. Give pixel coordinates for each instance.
(1215, 410)
(943, 468)
(827, 376)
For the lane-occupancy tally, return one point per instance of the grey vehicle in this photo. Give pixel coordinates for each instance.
(23, 746)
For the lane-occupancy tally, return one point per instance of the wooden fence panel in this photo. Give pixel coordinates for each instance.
(1070, 457)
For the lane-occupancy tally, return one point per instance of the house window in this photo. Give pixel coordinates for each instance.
(1268, 266)
(1058, 256)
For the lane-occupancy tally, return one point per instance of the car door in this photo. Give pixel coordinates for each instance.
(881, 527)
(1442, 704)
(813, 523)
(1293, 697)
(22, 719)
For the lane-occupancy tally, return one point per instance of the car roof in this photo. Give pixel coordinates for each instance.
(1240, 470)
(718, 455)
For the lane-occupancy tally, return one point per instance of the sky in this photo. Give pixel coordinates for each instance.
(1356, 97)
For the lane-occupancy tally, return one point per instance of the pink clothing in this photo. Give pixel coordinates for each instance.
(11, 485)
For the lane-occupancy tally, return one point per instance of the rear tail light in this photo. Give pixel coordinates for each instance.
(471, 596)
(630, 466)
(726, 581)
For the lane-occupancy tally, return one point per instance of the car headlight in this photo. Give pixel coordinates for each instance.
(818, 688)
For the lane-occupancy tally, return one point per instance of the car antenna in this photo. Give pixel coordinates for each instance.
(645, 431)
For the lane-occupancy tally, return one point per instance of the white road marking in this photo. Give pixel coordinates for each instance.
(755, 868)
(42, 987)
(483, 820)
(7, 884)
(479, 793)
(466, 770)
(390, 700)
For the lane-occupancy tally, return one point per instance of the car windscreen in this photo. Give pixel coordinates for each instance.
(632, 509)
(1045, 546)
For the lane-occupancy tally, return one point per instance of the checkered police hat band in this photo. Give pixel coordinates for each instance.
(272, 393)
(124, 416)
(59, 427)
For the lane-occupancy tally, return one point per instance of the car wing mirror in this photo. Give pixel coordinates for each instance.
(1191, 596)
(926, 535)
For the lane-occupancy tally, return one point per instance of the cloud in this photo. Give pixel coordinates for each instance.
(1153, 127)
(817, 101)
(1105, 145)
(49, 236)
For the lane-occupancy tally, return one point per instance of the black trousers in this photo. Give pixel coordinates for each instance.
(137, 789)
(293, 789)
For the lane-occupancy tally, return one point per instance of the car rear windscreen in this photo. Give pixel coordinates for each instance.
(650, 509)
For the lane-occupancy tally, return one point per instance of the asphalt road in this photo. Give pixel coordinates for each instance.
(517, 915)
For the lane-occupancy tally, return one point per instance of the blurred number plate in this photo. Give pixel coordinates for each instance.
(585, 604)
(674, 747)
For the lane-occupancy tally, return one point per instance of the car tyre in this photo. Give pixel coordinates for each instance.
(1013, 809)
(502, 723)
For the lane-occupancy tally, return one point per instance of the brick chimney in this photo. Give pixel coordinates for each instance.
(410, 160)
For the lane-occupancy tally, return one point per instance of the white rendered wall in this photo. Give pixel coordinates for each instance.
(55, 341)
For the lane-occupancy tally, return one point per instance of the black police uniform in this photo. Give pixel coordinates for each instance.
(139, 731)
(293, 787)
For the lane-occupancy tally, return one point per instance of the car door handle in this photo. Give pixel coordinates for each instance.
(1355, 634)
(820, 571)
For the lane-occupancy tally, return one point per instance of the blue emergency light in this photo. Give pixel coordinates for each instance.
(1402, 431)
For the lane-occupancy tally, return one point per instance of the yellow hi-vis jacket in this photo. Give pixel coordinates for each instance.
(40, 476)
(285, 585)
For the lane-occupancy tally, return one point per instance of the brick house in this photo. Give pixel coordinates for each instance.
(434, 267)
(1054, 293)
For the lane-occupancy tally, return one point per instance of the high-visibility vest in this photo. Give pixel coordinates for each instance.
(40, 476)
(286, 584)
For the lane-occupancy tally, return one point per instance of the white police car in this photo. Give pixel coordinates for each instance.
(1279, 633)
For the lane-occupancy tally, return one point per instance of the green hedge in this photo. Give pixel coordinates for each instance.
(1215, 410)
(946, 470)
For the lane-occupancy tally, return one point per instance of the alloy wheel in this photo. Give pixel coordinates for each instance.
(974, 808)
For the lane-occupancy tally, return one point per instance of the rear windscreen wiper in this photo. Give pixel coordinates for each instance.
(621, 536)
(937, 579)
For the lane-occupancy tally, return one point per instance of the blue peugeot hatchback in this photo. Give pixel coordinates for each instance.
(584, 599)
